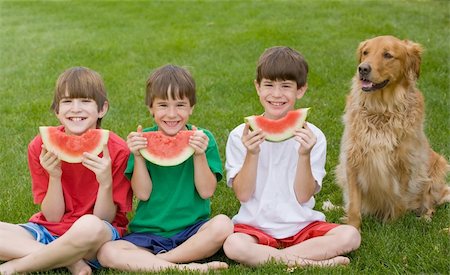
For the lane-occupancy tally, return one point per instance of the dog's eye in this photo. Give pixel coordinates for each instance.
(365, 52)
(387, 55)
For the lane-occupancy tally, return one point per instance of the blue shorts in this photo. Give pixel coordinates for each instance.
(157, 244)
(42, 235)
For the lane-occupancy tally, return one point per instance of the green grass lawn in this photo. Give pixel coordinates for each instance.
(220, 42)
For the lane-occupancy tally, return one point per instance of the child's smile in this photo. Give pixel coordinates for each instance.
(77, 118)
(171, 115)
(172, 123)
(275, 103)
(79, 115)
(277, 96)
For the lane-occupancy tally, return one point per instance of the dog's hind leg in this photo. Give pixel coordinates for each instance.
(437, 172)
(437, 191)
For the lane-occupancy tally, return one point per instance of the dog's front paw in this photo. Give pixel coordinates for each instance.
(355, 222)
(427, 215)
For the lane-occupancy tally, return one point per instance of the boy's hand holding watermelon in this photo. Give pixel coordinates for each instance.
(306, 138)
(50, 162)
(136, 141)
(198, 141)
(252, 139)
(101, 166)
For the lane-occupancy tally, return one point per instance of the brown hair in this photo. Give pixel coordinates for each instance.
(282, 63)
(170, 79)
(80, 82)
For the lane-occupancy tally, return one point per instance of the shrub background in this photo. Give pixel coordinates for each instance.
(220, 42)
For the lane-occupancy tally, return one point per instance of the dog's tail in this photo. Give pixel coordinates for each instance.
(439, 167)
(438, 171)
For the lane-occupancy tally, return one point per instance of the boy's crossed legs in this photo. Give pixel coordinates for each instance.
(24, 254)
(318, 251)
(124, 255)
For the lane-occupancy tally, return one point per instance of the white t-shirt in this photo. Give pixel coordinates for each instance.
(273, 208)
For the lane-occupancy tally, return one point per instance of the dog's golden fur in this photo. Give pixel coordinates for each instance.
(386, 165)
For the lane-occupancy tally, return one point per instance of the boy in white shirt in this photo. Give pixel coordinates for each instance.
(275, 182)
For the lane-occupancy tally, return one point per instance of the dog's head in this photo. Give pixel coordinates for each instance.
(386, 61)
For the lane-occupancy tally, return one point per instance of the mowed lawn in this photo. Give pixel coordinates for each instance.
(220, 42)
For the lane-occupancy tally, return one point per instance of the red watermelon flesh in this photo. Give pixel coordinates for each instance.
(70, 148)
(166, 150)
(281, 129)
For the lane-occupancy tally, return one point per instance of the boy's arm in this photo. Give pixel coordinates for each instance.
(244, 182)
(305, 183)
(204, 179)
(52, 205)
(141, 181)
(104, 207)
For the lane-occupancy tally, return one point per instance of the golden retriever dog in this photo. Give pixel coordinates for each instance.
(386, 166)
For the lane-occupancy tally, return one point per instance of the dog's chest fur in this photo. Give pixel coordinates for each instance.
(379, 154)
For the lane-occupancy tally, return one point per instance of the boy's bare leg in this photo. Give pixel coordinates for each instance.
(320, 251)
(17, 242)
(82, 240)
(125, 256)
(338, 241)
(214, 232)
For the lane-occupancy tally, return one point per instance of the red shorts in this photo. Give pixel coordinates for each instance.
(314, 229)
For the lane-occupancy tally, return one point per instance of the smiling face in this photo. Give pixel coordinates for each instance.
(80, 98)
(170, 97)
(281, 76)
(79, 114)
(171, 115)
(278, 97)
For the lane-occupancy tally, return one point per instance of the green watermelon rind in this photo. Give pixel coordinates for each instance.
(185, 154)
(71, 158)
(286, 134)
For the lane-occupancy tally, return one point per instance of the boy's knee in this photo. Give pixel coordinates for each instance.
(234, 247)
(352, 237)
(89, 231)
(109, 252)
(106, 255)
(222, 226)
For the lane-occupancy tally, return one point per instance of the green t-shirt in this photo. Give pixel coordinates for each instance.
(174, 203)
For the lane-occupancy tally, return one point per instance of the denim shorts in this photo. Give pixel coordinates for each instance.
(42, 235)
(158, 244)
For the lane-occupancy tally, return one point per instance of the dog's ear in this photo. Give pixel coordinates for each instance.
(413, 59)
(359, 50)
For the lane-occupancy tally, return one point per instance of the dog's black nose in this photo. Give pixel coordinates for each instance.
(364, 69)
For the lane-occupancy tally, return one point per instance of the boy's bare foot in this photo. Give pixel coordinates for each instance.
(339, 260)
(204, 267)
(80, 268)
(5, 271)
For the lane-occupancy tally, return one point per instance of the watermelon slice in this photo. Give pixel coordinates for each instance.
(166, 150)
(281, 129)
(70, 148)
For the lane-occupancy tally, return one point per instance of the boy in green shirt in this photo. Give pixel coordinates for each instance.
(171, 224)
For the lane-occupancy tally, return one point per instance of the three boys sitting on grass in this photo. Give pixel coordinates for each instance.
(172, 228)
